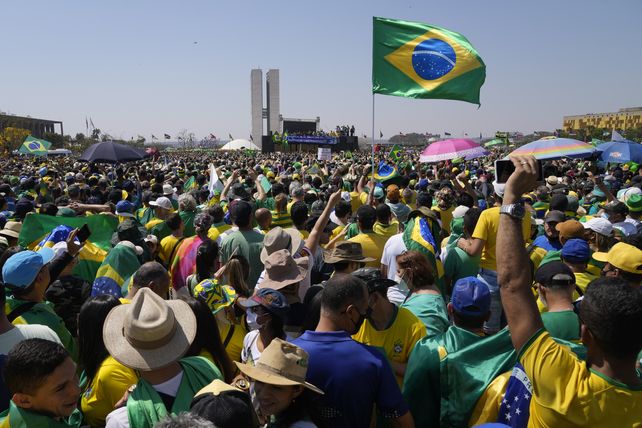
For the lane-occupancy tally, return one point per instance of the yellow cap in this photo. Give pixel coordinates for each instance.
(622, 256)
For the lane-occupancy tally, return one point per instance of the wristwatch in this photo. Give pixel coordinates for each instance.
(513, 210)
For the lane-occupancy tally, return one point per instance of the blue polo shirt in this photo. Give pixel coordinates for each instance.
(353, 376)
(545, 243)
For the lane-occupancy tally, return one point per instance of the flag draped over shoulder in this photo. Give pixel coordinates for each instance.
(416, 60)
(385, 172)
(184, 263)
(419, 235)
(39, 230)
(117, 268)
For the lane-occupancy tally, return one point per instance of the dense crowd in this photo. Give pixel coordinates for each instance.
(236, 289)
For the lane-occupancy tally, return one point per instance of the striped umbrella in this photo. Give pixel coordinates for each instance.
(555, 148)
(451, 149)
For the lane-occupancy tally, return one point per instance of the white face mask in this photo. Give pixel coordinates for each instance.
(402, 282)
(252, 320)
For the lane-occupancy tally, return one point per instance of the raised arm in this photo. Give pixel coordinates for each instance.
(315, 234)
(513, 272)
(229, 183)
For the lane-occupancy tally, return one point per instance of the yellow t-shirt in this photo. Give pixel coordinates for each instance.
(486, 229)
(153, 222)
(386, 230)
(372, 245)
(167, 245)
(446, 216)
(235, 344)
(107, 387)
(582, 280)
(566, 393)
(213, 233)
(397, 341)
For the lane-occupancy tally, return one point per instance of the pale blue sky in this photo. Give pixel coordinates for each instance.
(134, 68)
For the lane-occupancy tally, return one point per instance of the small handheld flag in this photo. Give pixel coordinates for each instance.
(416, 60)
(167, 136)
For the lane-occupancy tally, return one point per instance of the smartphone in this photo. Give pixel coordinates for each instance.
(83, 233)
(504, 168)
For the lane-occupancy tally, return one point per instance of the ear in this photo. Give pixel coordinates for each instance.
(298, 390)
(449, 307)
(586, 336)
(22, 400)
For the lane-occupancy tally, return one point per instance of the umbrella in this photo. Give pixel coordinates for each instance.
(620, 151)
(495, 142)
(34, 146)
(110, 152)
(555, 148)
(451, 149)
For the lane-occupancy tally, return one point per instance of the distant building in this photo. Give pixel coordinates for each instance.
(625, 118)
(37, 126)
(273, 110)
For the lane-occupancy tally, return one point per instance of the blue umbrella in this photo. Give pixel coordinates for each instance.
(620, 151)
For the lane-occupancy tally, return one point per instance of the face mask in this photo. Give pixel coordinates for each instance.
(403, 285)
(252, 320)
(360, 321)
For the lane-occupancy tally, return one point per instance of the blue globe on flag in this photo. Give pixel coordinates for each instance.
(433, 58)
(34, 145)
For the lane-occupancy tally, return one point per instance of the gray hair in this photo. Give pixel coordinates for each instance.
(186, 202)
(184, 420)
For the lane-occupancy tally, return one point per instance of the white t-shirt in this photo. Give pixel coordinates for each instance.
(22, 332)
(250, 353)
(119, 419)
(394, 246)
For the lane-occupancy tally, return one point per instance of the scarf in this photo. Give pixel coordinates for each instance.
(17, 417)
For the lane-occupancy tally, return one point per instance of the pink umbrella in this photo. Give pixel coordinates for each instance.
(452, 148)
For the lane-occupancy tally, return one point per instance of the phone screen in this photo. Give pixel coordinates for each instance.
(83, 233)
(504, 168)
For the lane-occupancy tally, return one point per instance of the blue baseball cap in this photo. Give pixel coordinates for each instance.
(125, 209)
(576, 251)
(471, 297)
(21, 269)
(270, 299)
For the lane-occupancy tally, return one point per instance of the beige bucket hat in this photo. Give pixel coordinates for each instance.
(150, 333)
(281, 270)
(281, 239)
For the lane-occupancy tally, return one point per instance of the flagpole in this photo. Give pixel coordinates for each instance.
(373, 133)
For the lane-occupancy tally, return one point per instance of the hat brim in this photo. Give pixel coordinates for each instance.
(329, 258)
(601, 256)
(265, 376)
(149, 359)
(296, 244)
(9, 233)
(279, 283)
(130, 215)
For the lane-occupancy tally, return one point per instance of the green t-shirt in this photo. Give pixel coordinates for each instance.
(431, 310)
(268, 203)
(247, 243)
(460, 265)
(562, 325)
(188, 221)
(353, 230)
(161, 230)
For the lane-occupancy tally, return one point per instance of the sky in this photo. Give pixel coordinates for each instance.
(153, 67)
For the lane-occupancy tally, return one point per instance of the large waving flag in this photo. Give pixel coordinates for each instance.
(39, 230)
(34, 146)
(184, 263)
(117, 268)
(395, 153)
(416, 60)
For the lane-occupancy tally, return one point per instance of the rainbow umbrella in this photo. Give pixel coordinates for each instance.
(555, 148)
(452, 148)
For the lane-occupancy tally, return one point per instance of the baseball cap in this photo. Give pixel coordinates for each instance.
(622, 256)
(554, 273)
(125, 209)
(272, 300)
(470, 297)
(378, 193)
(554, 216)
(570, 229)
(599, 225)
(634, 202)
(162, 202)
(21, 269)
(576, 251)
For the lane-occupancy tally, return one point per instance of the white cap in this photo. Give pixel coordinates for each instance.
(460, 211)
(624, 194)
(151, 238)
(168, 189)
(499, 188)
(599, 225)
(162, 202)
(138, 250)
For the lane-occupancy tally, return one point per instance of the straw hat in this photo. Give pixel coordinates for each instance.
(346, 251)
(149, 333)
(281, 239)
(281, 270)
(282, 364)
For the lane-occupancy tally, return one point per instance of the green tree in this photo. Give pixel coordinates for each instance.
(12, 138)
(95, 134)
(56, 140)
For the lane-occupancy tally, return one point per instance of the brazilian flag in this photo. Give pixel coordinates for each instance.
(189, 184)
(34, 146)
(395, 153)
(416, 60)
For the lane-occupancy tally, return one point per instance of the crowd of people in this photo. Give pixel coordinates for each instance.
(202, 289)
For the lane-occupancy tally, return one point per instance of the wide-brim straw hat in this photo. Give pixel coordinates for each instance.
(281, 239)
(281, 270)
(150, 333)
(282, 364)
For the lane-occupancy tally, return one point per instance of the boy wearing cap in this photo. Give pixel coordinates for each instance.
(395, 330)
(27, 276)
(604, 391)
(436, 358)
(151, 335)
(576, 254)
(555, 284)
